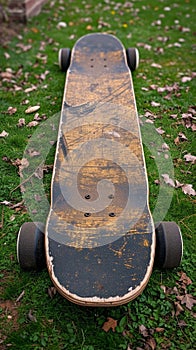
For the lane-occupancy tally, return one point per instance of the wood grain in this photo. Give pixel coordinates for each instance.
(99, 233)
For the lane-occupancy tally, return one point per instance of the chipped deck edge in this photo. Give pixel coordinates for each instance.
(131, 295)
(96, 301)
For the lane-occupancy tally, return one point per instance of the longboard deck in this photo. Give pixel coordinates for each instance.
(100, 237)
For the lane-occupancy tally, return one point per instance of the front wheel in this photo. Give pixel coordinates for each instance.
(30, 246)
(169, 245)
(64, 58)
(132, 58)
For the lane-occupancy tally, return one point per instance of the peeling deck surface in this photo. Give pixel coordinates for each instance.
(99, 233)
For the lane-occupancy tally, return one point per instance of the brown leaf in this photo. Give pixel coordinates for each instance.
(185, 79)
(7, 56)
(151, 342)
(185, 279)
(160, 131)
(182, 137)
(182, 323)
(173, 116)
(178, 184)
(143, 330)
(32, 109)
(177, 141)
(33, 153)
(109, 324)
(165, 147)
(52, 292)
(31, 317)
(193, 127)
(12, 110)
(188, 300)
(21, 122)
(188, 189)
(32, 124)
(6, 75)
(159, 329)
(155, 104)
(189, 158)
(4, 134)
(178, 308)
(167, 180)
(24, 48)
(30, 89)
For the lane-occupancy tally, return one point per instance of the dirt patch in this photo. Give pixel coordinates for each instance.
(9, 30)
(8, 319)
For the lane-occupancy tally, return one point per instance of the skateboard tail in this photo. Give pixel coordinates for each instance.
(109, 275)
(97, 301)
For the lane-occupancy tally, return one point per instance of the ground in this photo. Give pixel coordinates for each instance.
(9, 30)
(32, 314)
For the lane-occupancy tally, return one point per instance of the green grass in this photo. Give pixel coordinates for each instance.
(56, 323)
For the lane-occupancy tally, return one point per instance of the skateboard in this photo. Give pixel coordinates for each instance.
(100, 240)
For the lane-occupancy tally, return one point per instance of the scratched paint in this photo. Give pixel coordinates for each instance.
(99, 110)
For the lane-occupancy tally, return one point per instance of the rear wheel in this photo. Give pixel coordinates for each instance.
(30, 246)
(64, 59)
(169, 245)
(132, 58)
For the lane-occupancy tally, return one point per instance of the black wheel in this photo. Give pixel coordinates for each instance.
(30, 246)
(64, 59)
(132, 58)
(169, 245)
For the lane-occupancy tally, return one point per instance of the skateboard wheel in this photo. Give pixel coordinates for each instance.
(169, 245)
(132, 58)
(64, 59)
(30, 246)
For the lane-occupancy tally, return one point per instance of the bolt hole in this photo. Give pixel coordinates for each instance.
(92, 66)
(111, 196)
(87, 196)
(87, 215)
(112, 215)
(105, 65)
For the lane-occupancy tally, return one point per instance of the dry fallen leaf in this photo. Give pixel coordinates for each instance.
(32, 124)
(32, 109)
(4, 134)
(30, 89)
(31, 317)
(156, 65)
(185, 79)
(189, 158)
(178, 308)
(188, 189)
(188, 300)
(23, 47)
(52, 292)
(109, 324)
(7, 56)
(33, 153)
(143, 330)
(24, 164)
(155, 104)
(168, 180)
(12, 110)
(185, 279)
(21, 122)
(151, 342)
(165, 147)
(182, 137)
